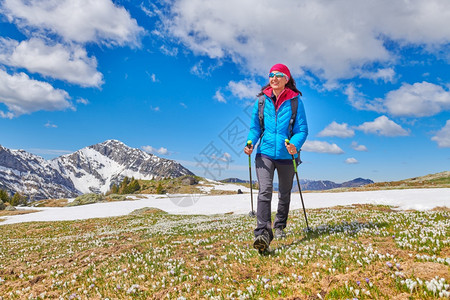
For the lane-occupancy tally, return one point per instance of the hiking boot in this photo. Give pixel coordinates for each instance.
(262, 242)
(279, 234)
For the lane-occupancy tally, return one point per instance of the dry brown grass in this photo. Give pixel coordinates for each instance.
(17, 212)
(51, 203)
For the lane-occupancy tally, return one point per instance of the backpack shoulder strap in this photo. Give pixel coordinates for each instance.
(294, 106)
(261, 103)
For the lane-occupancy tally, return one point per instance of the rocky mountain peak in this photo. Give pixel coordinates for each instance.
(120, 152)
(91, 169)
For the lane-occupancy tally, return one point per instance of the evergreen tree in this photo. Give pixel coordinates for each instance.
(123, 185)
(18, 199)
(133, 186)
(137, 186)
(4, 196)
(114, 189)
(125, 190)
(124, 182)
(159, 189)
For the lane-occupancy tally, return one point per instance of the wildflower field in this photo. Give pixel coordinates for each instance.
(355, 252)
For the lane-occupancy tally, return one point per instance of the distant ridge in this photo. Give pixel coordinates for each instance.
(313, 185)
(234, 180)
(320, 185)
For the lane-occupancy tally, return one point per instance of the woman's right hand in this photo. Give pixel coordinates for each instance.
(248, 150)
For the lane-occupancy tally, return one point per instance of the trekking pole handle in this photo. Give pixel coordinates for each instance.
(249, 144)
(293, 158)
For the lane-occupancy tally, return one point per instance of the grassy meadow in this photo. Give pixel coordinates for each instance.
(356, 252)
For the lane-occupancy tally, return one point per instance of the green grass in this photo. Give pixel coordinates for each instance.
(444, 180)
(168, 185)
(363, 252)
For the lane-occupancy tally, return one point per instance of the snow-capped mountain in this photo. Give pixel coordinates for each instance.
(33, 176)
(91, 169)
(96, 168)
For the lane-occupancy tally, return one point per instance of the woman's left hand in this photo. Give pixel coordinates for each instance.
(290, 148)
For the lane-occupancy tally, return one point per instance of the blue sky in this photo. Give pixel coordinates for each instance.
(177, 77)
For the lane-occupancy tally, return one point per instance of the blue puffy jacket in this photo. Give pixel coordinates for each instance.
(276, 123)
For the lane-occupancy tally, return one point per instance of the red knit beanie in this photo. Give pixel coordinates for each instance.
(282, 68)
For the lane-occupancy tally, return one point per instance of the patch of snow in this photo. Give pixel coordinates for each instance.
(9, 171)
(231, 187)
(206, 189)
(219, 186)
(418, 199)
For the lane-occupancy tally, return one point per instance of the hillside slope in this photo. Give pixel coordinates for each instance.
(437, 180)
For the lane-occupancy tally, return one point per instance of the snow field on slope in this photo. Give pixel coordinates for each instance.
(418, 199)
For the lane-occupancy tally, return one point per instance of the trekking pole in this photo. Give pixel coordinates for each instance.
(299, 188)
(252, 212)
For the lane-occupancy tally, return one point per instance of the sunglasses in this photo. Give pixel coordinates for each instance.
(277, 74)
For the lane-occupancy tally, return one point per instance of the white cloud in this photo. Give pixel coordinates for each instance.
(155, 108)
(65, 62)
(148, 149)
(7, 115)
(442, 137)
(23, 95)
(152, 77)
(357, 147)
(331, 39)
(339, 130)
(81, 21)
(421, 99)
(351, 161)
(199, 70)
(169, 52)
(244, 89)
(151, 11)
(321, 147)
(386, 75)
(83, 101)
(383, 126)
(66, 25)
(359, 101)
(418, 100)
(160, 151)
(219, 97)
(163, 151)
(226, 157)
(50, 125)
(418, 22)
(183, 104)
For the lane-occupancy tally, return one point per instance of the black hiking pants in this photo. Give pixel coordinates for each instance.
(265, 169)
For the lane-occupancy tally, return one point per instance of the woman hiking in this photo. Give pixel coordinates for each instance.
(270, 125)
